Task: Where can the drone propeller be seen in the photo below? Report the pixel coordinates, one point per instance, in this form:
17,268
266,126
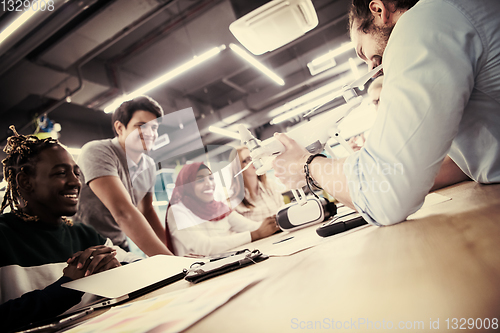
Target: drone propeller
358,82
241,171
363,79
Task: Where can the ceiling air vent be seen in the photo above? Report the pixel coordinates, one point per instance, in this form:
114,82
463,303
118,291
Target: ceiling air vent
274,24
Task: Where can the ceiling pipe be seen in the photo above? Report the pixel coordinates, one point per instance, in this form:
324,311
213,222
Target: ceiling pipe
58,103
78,66
113,64
234,86
21,43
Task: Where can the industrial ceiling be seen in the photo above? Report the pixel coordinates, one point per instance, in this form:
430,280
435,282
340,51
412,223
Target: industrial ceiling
72,61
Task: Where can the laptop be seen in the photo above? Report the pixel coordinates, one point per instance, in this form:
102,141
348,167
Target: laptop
134,279
118,285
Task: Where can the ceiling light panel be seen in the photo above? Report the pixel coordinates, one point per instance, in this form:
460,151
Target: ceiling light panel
255,63
327,61
225,132
166,77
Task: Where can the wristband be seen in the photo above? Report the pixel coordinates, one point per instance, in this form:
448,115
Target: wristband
309,180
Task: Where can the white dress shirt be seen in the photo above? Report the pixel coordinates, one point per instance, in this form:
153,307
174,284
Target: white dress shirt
441,95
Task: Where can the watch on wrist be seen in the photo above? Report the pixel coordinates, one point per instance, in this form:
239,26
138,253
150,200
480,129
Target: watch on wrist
309,180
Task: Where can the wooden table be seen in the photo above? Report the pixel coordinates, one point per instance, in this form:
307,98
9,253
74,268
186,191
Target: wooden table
442,264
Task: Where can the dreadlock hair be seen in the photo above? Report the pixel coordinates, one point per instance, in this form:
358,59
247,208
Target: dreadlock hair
360,10
22,154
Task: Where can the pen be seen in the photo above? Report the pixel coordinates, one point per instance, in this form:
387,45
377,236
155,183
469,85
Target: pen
282,240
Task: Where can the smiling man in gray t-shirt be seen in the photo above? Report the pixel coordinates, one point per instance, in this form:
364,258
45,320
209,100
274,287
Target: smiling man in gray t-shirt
116,196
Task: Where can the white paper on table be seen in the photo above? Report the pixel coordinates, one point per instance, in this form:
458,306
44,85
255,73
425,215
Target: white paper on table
430,200
172,312
434,199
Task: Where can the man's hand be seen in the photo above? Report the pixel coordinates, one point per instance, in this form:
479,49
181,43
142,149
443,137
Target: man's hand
72,272
95,259
267,228
289,165
353,142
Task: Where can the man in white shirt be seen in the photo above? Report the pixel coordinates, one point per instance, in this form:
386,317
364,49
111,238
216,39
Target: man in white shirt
441,96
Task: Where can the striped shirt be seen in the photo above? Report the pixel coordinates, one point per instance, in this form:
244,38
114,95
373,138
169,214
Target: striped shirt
32,258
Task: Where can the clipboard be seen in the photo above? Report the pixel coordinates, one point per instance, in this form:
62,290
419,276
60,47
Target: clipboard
202,271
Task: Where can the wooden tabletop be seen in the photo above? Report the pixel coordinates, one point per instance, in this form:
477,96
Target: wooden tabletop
443,263
440,269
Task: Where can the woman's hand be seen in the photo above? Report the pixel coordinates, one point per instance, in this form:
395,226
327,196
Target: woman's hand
95,259
267,228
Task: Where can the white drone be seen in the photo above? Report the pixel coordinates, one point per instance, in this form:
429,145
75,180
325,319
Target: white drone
313,135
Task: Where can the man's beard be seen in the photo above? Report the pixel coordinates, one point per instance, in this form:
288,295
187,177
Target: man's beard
381,36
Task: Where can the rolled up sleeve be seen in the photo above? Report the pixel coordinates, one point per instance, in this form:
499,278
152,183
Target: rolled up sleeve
429,76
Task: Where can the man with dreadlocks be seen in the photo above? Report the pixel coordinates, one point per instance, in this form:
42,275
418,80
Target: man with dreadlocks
40,248
438,121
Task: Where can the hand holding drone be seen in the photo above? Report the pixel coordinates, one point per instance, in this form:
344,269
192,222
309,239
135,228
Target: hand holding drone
313,136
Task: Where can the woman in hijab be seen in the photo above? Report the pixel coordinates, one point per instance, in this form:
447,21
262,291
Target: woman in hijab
198,224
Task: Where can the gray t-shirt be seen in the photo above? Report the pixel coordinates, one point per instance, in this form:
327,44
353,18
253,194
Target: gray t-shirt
106,158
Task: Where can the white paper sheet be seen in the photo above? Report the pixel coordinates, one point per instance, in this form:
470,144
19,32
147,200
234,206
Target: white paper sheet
172,312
